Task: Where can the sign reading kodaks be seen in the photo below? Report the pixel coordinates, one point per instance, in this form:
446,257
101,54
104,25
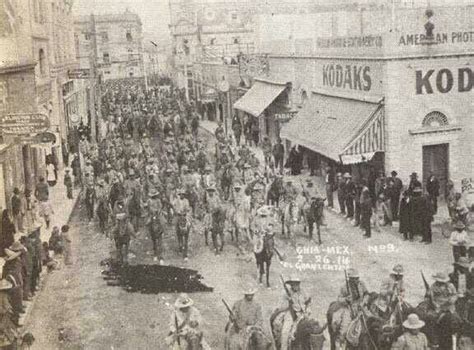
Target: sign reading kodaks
23,124
349,76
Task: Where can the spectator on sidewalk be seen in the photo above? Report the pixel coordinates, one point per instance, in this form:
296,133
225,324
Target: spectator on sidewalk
432,187
12,272
7,231
248,131
366,211
341,193
76,170
405,217
330,186
278,154
67,245
421,215
8,332
18,210
382,213
36,245
312,162
51,175
459,240
255,132
380,181
237,128
27,268
414,183
451,199
68,183
396,192
56,241
267,150
42,190
350,193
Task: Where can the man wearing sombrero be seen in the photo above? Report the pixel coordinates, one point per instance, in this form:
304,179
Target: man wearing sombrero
463,275
412,338
247,313
443,293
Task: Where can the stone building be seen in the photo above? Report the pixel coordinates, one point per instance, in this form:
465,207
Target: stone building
382,89
117,46
36,53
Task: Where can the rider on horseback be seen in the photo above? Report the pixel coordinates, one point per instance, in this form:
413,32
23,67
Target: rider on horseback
155,223
246,314
182,209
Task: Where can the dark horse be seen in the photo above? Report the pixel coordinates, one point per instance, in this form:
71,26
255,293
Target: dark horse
90,200
275,192
156,229
263,255
103,213
314,215
227,179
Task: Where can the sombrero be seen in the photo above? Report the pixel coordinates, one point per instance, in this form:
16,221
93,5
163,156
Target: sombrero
352,273
183,301
441,277
413,322
293,279
397,270
153,193
4,284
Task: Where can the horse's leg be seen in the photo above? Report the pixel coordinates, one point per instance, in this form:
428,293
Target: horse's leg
283,225
267,263
311,229
318,227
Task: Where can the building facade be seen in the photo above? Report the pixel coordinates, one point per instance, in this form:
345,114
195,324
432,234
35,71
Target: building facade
36,52
113,41
386,89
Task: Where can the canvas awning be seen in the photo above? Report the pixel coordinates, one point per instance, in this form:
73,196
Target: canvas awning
259,97
335,126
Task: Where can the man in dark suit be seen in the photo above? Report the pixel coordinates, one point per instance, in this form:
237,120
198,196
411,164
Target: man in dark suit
432,187
396,192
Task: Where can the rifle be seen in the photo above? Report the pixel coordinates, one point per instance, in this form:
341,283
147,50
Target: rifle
290,300
177,331
280,256
229,310
427,286
350,294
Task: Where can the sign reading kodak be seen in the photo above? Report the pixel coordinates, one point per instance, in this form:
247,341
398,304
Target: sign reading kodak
444,80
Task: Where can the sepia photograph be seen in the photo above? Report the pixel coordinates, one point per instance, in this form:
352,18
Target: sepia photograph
237,174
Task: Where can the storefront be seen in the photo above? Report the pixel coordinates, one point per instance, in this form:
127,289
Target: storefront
263,103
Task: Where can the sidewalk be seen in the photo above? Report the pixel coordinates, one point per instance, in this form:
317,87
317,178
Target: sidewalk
63,208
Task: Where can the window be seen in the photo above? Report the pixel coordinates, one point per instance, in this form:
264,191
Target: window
130,54
234,16
129,35
236,41
435,119
87,36
42,62
213,41
106,57
105,36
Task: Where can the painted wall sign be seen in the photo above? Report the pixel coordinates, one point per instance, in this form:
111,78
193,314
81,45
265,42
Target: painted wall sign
356,41
437,38
21,124
352,77
444,80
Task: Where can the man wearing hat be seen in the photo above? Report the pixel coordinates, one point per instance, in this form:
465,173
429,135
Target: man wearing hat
443,293
290,192
240,211
350,194
353,293
295,305
393,286
68,183
422,215
208,178
212,202
246,313
341,195
247,174
122,233
12,272
182,210
412,338
414,183
155,222
185,325
396,192
459,240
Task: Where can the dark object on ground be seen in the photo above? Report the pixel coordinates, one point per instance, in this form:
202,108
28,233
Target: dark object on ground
153,279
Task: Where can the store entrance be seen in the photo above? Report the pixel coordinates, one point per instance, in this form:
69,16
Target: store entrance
436,161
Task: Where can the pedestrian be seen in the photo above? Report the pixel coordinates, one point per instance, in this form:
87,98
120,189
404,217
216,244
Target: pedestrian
405,217
122,234
68,259
12,272
42,190
46,212
68,183
396,192
313,161
237,128
51,174
330,186
349,192
248,131
432,187
366,211
341,195
459,240
56,241
36,255
278,154
412,338
76,170
255,132
8,331
414,183
421,215
7,231
267,150
18,210
27,267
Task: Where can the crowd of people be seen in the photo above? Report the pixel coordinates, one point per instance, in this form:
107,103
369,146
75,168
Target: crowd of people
155,174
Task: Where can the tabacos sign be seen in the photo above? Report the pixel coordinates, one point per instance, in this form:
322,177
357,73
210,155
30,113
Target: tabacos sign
444,80
347,76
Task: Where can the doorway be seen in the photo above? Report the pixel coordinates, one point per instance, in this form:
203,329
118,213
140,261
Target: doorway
436,161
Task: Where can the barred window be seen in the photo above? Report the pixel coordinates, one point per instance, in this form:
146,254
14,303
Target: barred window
434,119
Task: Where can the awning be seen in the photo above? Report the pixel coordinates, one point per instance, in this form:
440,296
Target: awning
332,125
259,97
357,158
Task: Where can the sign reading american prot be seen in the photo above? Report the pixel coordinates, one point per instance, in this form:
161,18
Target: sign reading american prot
23,124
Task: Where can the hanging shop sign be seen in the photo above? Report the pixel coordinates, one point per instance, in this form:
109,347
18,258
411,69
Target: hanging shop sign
80,73
24,124
46,137
285,117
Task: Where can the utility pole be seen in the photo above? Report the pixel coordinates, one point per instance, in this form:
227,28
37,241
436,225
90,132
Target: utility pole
93,80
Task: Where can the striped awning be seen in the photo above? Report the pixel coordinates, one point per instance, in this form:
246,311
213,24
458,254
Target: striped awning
259,97
331,125
371,138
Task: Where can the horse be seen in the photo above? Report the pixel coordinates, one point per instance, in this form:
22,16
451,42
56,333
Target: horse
439,326
218,219
313,214
134,208
252,338
308,333
103,215
263,249
156,230
374,330
240,221
183,228
289,219
275,192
